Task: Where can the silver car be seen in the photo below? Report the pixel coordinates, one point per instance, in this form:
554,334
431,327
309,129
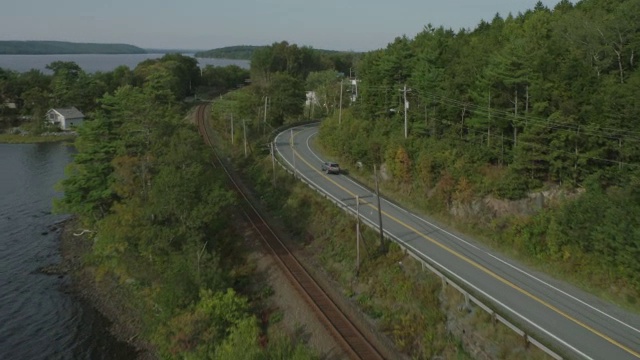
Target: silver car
331,167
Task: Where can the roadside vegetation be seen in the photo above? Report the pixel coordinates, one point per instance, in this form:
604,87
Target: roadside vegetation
400,299
547,114
550,110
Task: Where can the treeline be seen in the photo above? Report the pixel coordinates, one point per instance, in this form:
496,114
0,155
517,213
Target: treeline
241,52
281,74
64,47
544,99
160,217
34,92
245,52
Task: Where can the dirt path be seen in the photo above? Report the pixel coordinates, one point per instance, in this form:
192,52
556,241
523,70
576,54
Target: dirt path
298,320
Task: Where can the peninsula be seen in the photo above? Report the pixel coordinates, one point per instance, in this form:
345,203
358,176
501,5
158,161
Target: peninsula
244,52
63,47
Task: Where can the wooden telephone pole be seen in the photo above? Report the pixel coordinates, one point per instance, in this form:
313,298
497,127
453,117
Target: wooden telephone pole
357,234
340,108
273,162
382,244
232,129
244,127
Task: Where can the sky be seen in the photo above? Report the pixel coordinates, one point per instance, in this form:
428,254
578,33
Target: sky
349,25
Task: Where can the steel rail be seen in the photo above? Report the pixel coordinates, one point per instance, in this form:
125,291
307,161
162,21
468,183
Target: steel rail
344,331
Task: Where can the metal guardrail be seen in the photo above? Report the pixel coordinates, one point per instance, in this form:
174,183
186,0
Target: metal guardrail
446,280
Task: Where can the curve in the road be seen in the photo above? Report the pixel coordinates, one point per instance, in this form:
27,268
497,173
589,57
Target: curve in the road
515,268
475,264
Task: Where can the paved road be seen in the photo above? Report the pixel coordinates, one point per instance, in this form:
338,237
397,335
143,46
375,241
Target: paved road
576,324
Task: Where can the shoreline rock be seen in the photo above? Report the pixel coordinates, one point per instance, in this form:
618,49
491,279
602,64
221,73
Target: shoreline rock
104,295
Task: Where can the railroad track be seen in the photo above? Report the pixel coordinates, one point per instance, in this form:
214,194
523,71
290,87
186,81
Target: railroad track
355,344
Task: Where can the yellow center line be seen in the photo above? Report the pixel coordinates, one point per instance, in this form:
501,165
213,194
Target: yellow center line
477,265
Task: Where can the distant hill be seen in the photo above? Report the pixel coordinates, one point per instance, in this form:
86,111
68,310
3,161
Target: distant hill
171,51
243,52
63,47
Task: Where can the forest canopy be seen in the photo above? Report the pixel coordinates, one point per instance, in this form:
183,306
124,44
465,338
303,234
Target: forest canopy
545,99
245,52
549,94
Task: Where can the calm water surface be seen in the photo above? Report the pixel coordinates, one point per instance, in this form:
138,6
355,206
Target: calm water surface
38,319
96,62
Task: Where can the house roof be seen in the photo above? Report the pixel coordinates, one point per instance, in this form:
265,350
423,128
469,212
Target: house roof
69,113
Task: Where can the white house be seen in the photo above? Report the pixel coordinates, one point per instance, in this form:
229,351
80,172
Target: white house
312,98
354,89
65,118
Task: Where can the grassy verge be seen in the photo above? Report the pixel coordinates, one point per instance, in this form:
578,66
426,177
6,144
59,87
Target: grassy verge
32,139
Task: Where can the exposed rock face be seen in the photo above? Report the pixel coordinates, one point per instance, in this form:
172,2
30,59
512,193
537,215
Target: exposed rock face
491,207
384,172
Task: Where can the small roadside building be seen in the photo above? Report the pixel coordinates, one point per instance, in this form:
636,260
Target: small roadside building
9,105
312,98
65,118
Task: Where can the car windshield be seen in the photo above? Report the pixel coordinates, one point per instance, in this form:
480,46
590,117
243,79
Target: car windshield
333,165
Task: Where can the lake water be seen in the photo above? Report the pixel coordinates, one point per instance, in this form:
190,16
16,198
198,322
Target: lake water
97,62
38,318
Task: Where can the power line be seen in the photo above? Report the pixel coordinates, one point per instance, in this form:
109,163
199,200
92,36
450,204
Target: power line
510,116
605,132
533,119
556,149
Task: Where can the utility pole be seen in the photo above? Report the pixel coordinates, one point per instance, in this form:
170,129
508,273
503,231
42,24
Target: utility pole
502,151
244,126
515,117
357,234
232,129
356,85
382,245
489,125
273,162
406,107
293,154
340,109
264,118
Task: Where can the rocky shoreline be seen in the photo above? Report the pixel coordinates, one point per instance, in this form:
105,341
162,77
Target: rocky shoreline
105,295
108,297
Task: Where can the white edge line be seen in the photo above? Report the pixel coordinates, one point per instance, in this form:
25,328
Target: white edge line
489,254
540,328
